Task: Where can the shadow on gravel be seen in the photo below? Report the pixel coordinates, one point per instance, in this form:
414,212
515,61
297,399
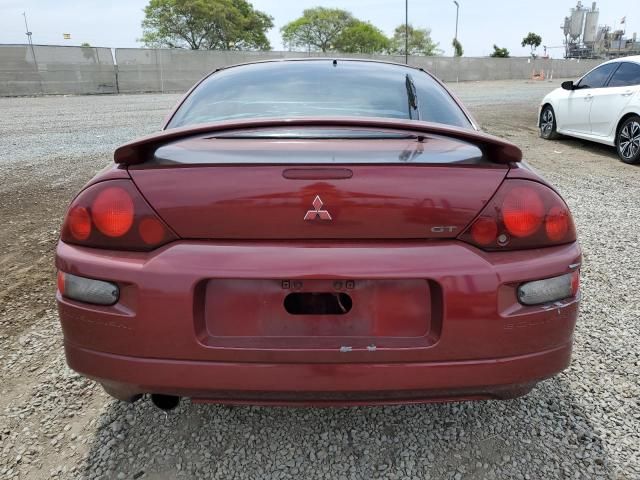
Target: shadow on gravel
543,435
591,147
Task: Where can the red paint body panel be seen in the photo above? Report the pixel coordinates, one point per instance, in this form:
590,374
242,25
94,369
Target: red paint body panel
320,384
257,202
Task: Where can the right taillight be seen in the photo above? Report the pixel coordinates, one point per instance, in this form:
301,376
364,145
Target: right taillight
114,215
522,214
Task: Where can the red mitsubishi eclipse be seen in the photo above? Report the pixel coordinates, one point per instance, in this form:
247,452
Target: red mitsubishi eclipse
318,232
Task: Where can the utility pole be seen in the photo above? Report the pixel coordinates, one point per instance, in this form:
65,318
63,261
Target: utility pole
33,51
455,41
29,34
457,12
406,32
26,27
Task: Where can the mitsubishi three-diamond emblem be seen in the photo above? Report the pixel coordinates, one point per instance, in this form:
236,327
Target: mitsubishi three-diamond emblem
317,212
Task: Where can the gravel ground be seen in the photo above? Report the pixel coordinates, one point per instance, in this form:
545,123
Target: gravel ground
584,423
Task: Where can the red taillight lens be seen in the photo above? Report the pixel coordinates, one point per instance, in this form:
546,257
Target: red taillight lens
522,214
121,216
112,211
79,223
557,223
522,211
575,283
61,282
151,231
484,231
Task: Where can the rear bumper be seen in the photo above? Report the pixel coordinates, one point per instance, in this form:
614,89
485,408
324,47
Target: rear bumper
319,384
481,343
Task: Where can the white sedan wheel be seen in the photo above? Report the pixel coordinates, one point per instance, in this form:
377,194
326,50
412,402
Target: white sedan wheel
548,123
628,141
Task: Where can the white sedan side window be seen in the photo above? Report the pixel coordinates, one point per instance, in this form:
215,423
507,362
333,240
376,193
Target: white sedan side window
598,78
627,75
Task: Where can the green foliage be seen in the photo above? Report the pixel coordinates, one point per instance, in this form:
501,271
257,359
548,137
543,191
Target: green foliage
533,40
88,51
499,52
420,42
205,24
457,48
318,29
362,37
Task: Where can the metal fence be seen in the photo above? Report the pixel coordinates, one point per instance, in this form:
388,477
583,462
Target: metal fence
44,69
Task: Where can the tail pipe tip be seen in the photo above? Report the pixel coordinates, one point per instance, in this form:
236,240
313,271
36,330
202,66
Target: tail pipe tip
165,403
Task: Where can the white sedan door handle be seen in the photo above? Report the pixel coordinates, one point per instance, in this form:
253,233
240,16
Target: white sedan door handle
627,93
588,97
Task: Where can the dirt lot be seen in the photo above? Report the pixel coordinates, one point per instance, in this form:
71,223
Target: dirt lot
585,423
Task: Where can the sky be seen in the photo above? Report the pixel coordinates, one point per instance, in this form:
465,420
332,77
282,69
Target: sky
116,23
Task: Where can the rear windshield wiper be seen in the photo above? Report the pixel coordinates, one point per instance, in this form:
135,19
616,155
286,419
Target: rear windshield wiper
412,96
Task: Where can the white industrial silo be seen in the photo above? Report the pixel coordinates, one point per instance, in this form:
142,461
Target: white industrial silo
591,25
577,21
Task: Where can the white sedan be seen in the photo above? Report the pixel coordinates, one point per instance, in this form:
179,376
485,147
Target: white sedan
603,106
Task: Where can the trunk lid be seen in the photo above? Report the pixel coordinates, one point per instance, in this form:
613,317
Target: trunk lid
357,184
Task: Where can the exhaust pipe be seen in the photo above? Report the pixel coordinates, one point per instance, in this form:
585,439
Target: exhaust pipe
165,403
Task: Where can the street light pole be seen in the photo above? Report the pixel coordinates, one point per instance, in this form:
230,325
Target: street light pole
33,51
457,12
406,32
26,27
29,35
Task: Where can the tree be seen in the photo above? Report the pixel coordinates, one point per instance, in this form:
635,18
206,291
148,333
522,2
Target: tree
88,51
205,24
362,37
457,48
318,29
420,42
533,40
499,52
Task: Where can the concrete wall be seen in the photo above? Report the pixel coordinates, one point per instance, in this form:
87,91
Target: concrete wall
77,70
141,70
56,70
476,69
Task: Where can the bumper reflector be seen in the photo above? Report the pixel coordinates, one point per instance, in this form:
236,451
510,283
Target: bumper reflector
549,289
87,290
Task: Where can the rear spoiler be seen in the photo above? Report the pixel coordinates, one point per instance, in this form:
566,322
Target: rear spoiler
493,148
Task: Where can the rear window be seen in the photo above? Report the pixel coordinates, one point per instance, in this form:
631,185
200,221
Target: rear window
319,89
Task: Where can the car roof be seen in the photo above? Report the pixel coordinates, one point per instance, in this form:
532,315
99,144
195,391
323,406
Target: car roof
631,58
365,62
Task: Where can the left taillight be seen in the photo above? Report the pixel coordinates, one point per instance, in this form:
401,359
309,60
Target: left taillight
114,215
